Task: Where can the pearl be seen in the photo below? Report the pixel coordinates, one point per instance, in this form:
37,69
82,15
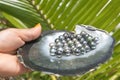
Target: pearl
58,52
83,33
77,54
67,51
96,39
77,42
87,35
59,44
75,35
59,56
52,50
57,40
63,41
60,49
61,37
66,35
84,42
87,48
78,36
73,44
65,44
74,40
73,49
77,50
81,40
52,54
66,47
89,38
67,54
71,36
67,39
70,43
78,45
52,44
53,47
92,44
82,50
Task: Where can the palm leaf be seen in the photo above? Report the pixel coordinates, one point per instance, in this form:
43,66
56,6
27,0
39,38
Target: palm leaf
64,15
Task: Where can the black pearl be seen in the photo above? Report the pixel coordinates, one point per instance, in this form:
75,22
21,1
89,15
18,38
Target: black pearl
83,33
74,40
57,40
65,44
58,52
67,39
87,48
77,50
78,36
84,42
71,36
67,51
92,44
82,50
89,38
61,37
59,44
63,41
79,45
52,54
52,50
70,42
52,44
68,54
60,49
96,39
81,40
73,49
53,47
66,47
75,35
66,35
86,36
59,56
73,44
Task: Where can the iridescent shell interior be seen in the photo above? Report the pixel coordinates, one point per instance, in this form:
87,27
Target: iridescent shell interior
68,53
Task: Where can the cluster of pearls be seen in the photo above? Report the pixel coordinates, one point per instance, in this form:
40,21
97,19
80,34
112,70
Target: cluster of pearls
73,44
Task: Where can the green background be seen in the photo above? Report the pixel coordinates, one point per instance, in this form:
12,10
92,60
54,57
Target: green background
64,15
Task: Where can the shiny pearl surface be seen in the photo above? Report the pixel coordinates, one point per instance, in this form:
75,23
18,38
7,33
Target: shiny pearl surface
73,44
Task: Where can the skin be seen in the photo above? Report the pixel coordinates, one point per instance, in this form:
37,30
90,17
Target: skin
10,40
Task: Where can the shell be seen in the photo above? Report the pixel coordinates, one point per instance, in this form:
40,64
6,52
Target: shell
36,54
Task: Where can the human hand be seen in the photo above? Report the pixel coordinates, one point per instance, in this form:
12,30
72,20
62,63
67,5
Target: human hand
10,40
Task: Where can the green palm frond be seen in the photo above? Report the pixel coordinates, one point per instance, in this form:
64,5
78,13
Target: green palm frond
64,15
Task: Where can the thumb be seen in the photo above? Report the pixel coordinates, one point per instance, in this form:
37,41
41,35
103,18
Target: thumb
30,34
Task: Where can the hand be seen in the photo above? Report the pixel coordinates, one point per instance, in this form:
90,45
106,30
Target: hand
10,40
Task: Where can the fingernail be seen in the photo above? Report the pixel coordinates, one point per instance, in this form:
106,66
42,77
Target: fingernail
38,25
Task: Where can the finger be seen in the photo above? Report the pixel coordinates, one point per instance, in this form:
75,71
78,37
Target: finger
11,39
14,52
30,34
10,66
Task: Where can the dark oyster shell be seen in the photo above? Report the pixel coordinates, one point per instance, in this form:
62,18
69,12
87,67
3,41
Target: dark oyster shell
36,54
